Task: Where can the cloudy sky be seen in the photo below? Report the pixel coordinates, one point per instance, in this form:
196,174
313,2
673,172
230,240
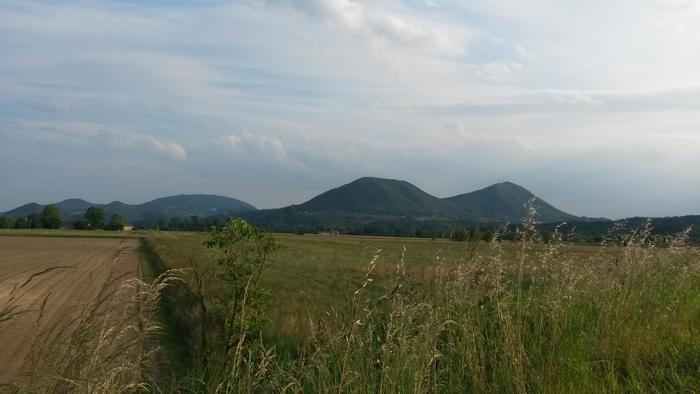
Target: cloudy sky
592,105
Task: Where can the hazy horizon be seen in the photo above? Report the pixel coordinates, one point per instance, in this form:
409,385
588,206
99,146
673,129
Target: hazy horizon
593,106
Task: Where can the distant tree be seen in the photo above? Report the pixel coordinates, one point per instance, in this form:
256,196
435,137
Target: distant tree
547,237
194,222
6,222
116,222
460,235
95,217
34,220
175,224
488,236
80,225
21,222
50,217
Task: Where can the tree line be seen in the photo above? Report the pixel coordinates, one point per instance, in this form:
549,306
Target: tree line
50,218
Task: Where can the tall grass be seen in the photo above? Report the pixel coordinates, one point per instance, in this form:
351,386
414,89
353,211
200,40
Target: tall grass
512,317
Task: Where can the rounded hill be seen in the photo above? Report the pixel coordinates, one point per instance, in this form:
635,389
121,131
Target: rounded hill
376,195
505,202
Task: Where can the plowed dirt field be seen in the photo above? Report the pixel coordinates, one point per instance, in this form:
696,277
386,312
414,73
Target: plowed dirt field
46,285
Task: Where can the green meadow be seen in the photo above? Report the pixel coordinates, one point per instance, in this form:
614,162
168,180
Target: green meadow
374,314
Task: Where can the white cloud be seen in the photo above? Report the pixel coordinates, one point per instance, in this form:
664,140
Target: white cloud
575,98
599,45
248,142
382,26
462,134
347,12
121,139
498,71
521,50
170,149
96,134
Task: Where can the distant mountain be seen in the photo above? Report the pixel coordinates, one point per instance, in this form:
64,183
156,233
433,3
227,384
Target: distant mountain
368,204
504,202
377,196
194,204
24,210
73,207
184,205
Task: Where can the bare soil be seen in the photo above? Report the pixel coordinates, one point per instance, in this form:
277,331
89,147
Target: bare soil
46,284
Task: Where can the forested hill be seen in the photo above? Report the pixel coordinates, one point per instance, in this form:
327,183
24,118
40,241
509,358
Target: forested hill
345,208
377,206
377,196
504,202
183,205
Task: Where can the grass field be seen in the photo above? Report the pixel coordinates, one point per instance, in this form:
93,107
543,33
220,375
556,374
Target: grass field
372,314
310,274
523,317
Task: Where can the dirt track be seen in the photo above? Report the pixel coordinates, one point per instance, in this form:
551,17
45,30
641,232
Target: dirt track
54,280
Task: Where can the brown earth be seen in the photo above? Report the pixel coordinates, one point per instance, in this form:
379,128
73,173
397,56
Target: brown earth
47,285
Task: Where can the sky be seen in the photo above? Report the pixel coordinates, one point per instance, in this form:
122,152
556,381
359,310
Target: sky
593,105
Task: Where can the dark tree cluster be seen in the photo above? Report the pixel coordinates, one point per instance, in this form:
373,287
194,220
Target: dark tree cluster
192,223
50,217
116,223
7,222
95,218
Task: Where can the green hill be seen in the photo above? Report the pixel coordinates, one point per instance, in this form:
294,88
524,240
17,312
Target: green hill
193,204
367,205
504,202
388,206
73,207
24,210
377,196
183,205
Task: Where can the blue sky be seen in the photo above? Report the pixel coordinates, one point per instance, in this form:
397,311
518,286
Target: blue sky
594,106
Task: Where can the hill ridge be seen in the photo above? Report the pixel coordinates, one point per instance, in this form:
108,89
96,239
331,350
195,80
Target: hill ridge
179,205
367,198
375,195
505,201
385,203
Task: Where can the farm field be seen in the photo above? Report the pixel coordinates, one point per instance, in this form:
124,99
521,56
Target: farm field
353,314
416,315
312,274
42,232
47,288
